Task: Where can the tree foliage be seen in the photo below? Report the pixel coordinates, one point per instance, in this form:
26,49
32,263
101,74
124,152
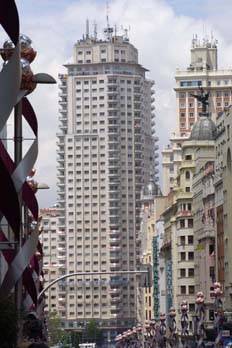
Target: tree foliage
55,333
92,333
8,322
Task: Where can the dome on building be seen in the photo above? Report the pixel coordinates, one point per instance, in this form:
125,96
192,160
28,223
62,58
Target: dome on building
203,129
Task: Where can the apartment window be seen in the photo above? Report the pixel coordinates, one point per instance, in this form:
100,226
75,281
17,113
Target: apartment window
191,272
183,289
191,307
187,189
182,223
191,289
190,223
182,256
191,255
187,175
182,240
190,239
182,272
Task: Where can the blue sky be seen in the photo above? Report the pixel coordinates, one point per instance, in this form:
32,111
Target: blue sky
161,30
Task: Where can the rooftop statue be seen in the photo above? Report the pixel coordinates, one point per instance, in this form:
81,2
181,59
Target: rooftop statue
202,98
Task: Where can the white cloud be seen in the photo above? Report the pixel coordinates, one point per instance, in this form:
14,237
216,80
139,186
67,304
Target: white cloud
162,37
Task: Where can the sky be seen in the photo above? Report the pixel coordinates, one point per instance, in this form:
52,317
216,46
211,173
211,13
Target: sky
161,30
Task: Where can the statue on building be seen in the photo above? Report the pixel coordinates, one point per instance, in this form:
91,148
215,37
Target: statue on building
202,98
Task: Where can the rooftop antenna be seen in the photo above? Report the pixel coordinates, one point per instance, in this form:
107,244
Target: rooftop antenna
87,29
95,30
126,38
108,30
115,30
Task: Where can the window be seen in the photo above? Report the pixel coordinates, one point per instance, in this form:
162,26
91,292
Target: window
182,272
187,189
190,223
182,256
187,175
182,223
192,307
183,289
190,83
191,255
191,272
182,240
190,239
191,289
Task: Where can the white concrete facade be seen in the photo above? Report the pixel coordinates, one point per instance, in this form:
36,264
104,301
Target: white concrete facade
105,154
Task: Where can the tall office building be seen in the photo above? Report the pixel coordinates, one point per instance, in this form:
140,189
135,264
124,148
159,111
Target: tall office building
202,71
106,151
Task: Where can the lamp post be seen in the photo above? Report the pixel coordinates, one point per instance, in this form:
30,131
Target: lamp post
200,318
172,328
161,333
219,313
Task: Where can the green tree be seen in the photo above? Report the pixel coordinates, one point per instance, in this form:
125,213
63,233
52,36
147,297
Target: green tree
92,333
8,322
55,333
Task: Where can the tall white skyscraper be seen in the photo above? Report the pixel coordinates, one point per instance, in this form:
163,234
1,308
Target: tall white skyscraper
106,153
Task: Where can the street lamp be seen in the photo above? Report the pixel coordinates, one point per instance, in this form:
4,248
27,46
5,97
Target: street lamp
219,313
172,328
200,318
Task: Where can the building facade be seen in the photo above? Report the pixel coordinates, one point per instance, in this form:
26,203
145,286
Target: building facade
224,215
106,151
53,241
205,226
152,206
202,71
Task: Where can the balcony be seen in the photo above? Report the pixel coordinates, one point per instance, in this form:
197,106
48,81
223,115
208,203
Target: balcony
116,248
61,257
115,239
61,265
61,233
115,266
115,299
62,299
115,290
63,110
114,233
113,149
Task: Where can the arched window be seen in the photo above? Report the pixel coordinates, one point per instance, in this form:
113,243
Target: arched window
187,175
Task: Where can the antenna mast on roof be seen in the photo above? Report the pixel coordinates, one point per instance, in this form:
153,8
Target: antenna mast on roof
108,30
87,29
95,30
